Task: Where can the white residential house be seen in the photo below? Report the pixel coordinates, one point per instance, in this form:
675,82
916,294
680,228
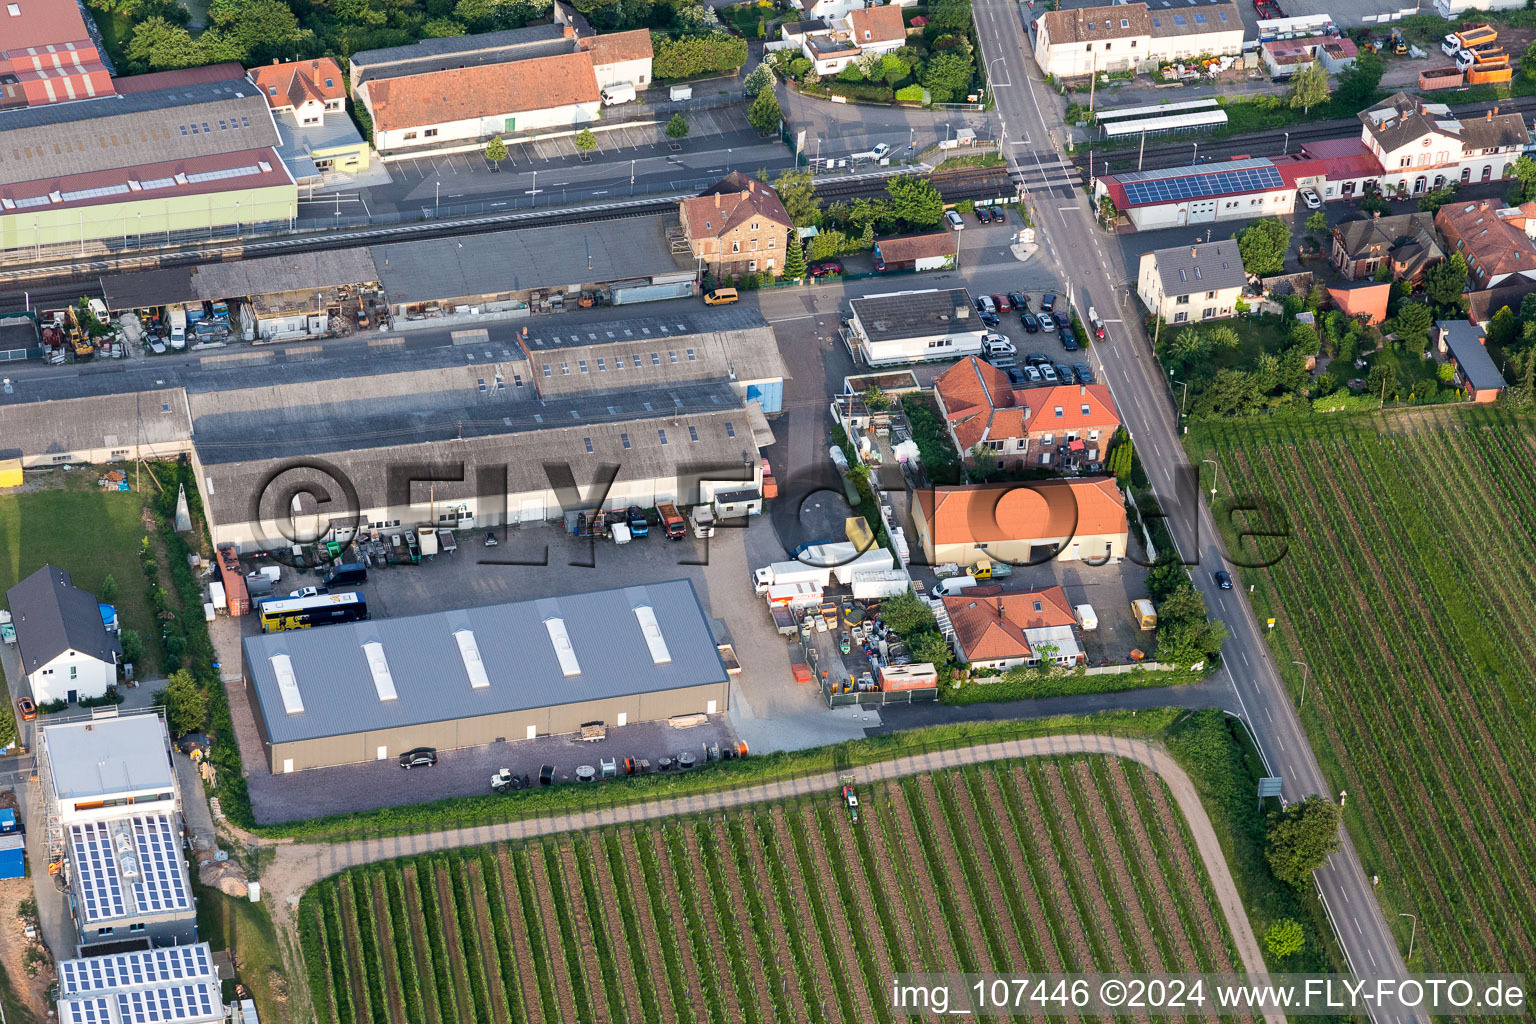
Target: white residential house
1134,36
1192,282
914,327
876,30
1424,146
65,649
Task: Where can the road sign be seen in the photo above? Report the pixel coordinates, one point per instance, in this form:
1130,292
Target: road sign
1269,786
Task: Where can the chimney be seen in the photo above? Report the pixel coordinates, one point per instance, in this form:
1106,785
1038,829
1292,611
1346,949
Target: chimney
1194,253
1489,116
751,184
1082,389
1375,214
717,200
276,61
569,31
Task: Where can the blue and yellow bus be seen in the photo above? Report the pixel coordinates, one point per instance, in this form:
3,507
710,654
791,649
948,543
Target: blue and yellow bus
278,614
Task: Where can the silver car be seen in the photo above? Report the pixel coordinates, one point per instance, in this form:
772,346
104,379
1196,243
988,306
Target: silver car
1047,322
1049,373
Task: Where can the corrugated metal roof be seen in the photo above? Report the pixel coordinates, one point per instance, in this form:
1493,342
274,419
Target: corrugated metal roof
607,646
201,119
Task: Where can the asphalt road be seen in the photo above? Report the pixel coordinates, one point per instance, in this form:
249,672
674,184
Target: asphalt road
1079,249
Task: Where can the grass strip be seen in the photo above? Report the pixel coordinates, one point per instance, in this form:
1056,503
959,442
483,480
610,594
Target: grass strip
474,965
596,912
501,928
355,883
693,915
736,953
935,861
650,1007
442,962
671,954
810,874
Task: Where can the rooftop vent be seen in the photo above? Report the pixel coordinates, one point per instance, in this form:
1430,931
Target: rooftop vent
469,651
287,685
653,638
561,640
378,667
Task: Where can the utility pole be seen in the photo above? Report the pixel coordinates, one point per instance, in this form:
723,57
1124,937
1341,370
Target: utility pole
1142,152
1411,933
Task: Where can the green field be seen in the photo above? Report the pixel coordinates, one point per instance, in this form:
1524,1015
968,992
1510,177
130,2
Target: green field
785,912
90,533
1406,588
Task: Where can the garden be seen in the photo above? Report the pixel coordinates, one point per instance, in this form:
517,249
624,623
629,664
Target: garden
937,65
1400,577
1048,864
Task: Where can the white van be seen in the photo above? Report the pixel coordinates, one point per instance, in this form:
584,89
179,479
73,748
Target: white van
954,586
621,93
177,317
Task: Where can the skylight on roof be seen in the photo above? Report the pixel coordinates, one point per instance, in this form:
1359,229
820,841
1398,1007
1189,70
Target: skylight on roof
287,684
378,667
651,630
469,653
561,640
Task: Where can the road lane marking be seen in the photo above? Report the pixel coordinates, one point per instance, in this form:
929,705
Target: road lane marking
1357,924
1268,716
1244,655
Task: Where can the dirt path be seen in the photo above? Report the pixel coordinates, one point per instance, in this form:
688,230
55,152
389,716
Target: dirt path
297,866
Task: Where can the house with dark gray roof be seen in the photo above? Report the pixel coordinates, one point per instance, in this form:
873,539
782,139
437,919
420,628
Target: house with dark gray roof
1465,347
371,690
1192,282
914,327
1406,244
1424,146
65,649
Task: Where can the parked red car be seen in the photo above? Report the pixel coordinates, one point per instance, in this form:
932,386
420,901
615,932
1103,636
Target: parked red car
826,268
1002,303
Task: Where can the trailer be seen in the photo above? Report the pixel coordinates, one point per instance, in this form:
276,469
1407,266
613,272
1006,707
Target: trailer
790,572
784,620
793,595
877,584
873,560
446,543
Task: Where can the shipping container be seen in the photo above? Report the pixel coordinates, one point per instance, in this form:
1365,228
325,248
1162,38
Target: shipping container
235,594
921,676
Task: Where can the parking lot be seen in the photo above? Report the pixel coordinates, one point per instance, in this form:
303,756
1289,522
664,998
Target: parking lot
768,709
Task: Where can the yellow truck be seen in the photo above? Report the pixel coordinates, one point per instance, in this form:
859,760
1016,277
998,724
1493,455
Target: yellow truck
1144,614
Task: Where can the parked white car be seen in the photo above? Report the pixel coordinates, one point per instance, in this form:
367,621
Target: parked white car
955,220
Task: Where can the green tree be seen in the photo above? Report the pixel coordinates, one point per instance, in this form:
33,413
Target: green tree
1222,337
947,76
761,78
983,462
1445,282
933,648
1382,380
185,703
827,244
1528,63
108,590
1430,202
914,201
1317,224
1502,329
1309,87
1190,347
1284,938
1263,245
496,151
132,644
764,114
906,614
1166,576
797,191
253,31
157,45
442,28
1299,838
794,260
694,55
585,140
867,238
1524,171
1185,635
1357,86
677,128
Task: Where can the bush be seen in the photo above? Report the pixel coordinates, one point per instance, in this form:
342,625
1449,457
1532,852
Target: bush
910,94
693,56
862,91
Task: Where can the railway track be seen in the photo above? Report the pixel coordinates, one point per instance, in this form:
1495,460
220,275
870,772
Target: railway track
52,284
1270,143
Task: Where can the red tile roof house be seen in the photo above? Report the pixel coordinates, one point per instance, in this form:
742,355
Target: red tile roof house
1001,631
1495,249
1022,523
1023,426
737,226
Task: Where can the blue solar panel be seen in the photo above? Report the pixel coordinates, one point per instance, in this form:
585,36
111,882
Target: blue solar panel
1196,186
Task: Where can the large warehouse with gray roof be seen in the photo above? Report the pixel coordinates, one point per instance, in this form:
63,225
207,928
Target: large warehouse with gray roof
372,690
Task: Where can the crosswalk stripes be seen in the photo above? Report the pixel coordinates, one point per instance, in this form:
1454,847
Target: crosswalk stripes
1046,174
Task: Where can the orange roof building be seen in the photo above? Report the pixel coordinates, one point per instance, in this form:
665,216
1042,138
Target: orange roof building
738,225
1069,424
302,86
1368,300
1022,523
998,630
47,56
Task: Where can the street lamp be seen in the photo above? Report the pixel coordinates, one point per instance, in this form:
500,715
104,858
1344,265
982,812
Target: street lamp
631,177
1195,156
1411,932
437,193
1184,395
1286,148
1216,478
1305,670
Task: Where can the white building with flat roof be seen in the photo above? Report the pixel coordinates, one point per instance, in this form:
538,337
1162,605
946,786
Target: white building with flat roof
914,327
112,820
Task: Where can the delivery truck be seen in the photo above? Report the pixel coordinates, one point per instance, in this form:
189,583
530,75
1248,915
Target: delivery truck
1144,614
793,595
877,584
780,573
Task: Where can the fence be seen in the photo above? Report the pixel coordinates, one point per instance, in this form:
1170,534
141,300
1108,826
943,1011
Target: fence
880,698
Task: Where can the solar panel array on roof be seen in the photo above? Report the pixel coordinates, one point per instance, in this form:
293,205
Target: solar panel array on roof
145,967
98,886
87,1011
160,867
1199,185
169,1005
